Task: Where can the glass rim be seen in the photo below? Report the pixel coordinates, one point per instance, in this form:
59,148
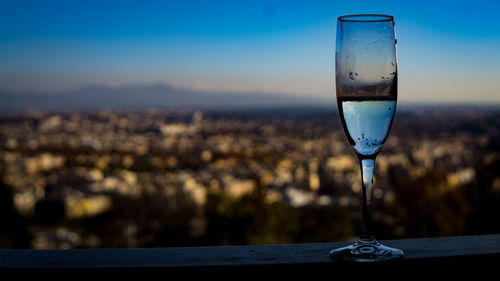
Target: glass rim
366,18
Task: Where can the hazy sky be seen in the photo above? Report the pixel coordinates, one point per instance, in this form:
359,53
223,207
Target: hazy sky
447,50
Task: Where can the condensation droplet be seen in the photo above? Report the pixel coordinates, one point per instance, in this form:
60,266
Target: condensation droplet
351,75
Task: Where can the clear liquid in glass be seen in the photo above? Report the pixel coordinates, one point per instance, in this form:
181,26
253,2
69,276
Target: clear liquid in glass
367,121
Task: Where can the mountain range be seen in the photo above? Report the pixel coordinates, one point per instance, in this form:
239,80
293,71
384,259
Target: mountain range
140,96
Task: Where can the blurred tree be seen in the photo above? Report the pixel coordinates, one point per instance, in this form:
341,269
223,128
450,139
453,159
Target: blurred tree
324,224
484,196
426,206
248,221
13,231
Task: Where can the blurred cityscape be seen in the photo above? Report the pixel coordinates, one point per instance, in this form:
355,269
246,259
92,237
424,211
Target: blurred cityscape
158,178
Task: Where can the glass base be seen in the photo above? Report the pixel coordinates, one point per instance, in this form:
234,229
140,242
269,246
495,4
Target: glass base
366,251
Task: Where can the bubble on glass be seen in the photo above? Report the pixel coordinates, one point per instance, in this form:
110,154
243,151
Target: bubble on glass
351,75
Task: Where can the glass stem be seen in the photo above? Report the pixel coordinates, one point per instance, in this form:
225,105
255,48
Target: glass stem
367,166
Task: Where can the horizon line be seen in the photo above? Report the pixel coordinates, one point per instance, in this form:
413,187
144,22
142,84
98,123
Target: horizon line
313,99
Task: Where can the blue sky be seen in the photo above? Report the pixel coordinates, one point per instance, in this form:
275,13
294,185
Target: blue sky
448,51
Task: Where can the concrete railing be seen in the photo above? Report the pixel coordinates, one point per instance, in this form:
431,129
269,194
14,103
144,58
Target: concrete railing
445,255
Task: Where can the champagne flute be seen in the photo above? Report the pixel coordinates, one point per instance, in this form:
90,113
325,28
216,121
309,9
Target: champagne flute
366,82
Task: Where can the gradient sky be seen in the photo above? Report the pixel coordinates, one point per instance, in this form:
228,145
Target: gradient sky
448,51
